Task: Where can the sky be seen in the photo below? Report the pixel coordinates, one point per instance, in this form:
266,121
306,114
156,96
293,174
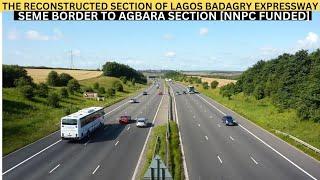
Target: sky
159,45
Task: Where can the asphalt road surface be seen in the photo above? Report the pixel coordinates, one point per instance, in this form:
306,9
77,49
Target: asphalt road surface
216,151
112,152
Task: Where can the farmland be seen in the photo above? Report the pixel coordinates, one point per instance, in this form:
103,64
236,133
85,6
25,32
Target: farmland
40,75
221,82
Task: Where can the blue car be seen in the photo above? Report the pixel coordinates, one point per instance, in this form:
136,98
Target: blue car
228,120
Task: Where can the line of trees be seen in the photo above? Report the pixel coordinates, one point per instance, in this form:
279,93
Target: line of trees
115,69
290,80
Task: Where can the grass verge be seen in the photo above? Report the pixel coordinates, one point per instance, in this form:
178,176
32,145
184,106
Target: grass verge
25,121
266,115
175,156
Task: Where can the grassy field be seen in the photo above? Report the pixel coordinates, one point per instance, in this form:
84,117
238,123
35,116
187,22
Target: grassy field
269,117
222,82
40,75
175,156
25,121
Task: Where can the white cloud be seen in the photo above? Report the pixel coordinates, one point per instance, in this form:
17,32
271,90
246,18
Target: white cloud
203,31
309,42
170,54
35,35
168,37
13,35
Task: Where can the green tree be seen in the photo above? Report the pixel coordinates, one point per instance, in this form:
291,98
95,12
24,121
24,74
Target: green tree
27,91
64,78
259,92
42,90
117,85
124,79
110,92
96,85
214,84
102,90
53,79
11,73
23,81
73,86
53,100
64,93
205,85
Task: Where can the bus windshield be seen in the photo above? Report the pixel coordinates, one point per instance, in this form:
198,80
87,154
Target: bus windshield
69,121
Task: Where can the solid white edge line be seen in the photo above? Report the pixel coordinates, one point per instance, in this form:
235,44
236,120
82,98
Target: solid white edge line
253,160
298,167
116,143
278,152
96,169
206,138
30,157
231,138
22,162
146,141
219,159
54,168
186,174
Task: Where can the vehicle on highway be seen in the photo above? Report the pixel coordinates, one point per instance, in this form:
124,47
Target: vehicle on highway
141,122
184,92
133,100
228,120
160,93
177,93
82,123
190,89
125,119
144,93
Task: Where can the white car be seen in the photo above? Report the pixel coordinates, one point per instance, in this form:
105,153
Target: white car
141,122
133,100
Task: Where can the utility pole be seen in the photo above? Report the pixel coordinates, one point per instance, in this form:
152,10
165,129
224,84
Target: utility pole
71,59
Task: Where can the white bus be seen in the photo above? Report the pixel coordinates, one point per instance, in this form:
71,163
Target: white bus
80,124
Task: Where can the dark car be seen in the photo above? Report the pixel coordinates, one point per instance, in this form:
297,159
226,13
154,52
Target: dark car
144,93
228,120
184,92
125,119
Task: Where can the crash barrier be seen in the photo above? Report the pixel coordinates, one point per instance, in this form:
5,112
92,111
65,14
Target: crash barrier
299,141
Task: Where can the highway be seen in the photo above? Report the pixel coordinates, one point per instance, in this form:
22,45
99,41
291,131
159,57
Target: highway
112,152
215,151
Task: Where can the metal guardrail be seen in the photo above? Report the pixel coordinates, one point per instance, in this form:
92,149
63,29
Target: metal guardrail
300,141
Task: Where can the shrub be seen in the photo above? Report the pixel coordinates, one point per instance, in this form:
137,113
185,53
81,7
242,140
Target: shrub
88,89
258,92
101,90
64,93
42,90
117,85
96,85
70,110
53,79
11,73
73,86
23,81
124,79
205,85
64,78
53,100
214,84
133,81
110,92
27,91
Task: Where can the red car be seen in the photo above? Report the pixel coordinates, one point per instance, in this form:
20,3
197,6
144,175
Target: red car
160,93
124,119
